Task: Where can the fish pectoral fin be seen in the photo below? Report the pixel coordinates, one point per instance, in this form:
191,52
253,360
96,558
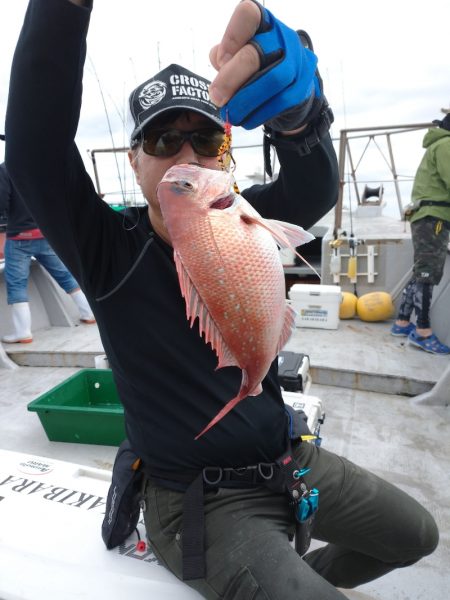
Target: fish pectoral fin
290,236
288,327
195,307
286,235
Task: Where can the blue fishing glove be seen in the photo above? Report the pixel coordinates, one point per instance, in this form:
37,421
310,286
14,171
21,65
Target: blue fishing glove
286,89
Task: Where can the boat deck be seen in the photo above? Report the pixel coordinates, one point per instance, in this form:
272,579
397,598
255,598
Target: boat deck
363,376
358,355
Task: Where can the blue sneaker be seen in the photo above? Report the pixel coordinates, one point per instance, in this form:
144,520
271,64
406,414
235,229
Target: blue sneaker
402,331
429,344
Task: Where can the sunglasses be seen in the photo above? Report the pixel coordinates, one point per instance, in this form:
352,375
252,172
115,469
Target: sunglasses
168,142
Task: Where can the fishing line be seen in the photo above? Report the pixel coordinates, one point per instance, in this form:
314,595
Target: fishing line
107,120
122,118
351,241
123,187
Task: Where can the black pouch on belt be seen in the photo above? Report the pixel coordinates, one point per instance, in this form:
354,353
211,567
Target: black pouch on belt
297,423
124,496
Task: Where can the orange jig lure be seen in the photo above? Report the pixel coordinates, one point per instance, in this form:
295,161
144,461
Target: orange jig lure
224,155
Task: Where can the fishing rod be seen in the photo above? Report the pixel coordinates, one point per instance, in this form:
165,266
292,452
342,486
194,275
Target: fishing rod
109,124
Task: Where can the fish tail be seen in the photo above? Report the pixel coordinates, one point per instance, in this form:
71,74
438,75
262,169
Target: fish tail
224,411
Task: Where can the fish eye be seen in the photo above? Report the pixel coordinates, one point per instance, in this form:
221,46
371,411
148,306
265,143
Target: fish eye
182,186
186,184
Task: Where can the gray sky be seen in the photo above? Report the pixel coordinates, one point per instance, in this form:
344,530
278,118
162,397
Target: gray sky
382,63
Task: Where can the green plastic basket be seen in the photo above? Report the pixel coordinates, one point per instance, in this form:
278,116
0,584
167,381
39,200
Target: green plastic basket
85,409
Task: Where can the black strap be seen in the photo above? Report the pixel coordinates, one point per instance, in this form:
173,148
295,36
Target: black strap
434,203
296,487
193,540
294,483
193,536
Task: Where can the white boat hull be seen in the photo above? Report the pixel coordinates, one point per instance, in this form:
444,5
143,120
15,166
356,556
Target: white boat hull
50,543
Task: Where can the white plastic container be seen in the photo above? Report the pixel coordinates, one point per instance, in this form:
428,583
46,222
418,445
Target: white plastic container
310,405
317,306
287,257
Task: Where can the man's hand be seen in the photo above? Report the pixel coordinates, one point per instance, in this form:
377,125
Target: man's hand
234,58
267,72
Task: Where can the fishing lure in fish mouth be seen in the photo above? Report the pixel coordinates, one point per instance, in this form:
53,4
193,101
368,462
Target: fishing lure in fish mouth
224,155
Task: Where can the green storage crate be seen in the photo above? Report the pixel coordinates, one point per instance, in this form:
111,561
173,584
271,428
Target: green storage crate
85,409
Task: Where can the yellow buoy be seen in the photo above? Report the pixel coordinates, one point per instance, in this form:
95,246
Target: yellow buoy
347,308
375,306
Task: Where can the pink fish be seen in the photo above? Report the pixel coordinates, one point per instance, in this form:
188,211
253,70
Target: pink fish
230,271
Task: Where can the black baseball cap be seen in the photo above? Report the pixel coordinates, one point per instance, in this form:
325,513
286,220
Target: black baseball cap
445,123
173,88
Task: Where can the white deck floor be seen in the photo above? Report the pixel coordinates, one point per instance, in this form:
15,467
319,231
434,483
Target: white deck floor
358,355
406,443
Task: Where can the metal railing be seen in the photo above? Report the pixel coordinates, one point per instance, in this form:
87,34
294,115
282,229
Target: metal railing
348,166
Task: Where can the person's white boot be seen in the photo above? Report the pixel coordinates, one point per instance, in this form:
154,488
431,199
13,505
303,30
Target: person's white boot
82,304
21,318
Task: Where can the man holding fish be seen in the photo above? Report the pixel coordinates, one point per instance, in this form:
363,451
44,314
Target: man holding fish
189,300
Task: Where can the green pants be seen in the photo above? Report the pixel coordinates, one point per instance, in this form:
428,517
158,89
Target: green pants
430,239
370,527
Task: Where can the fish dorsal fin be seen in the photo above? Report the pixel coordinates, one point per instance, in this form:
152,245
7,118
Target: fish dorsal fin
195,307
288,327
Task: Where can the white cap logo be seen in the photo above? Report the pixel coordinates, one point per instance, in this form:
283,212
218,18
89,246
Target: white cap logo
152,93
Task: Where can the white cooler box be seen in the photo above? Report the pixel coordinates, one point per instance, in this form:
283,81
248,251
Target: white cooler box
317,306
311,406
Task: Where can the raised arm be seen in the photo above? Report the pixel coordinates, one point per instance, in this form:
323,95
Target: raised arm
42,118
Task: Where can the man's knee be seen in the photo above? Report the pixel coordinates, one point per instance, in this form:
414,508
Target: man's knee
427,535
422,540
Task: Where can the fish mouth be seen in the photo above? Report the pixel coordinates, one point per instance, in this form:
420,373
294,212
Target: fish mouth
222,202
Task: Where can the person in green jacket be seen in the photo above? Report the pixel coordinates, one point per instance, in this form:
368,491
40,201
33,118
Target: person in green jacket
429,214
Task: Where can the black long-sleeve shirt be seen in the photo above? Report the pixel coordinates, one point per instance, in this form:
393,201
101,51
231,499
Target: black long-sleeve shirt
19,218
164,372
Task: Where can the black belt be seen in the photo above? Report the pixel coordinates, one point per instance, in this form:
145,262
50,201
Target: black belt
194,485
213,477
254,474
434,203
